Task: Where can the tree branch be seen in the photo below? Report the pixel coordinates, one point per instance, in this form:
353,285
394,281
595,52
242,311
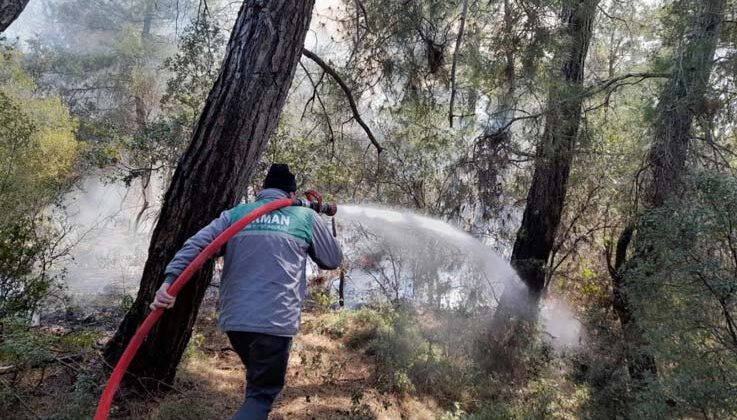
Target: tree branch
606,84
620,254
352,102
316,94
588,92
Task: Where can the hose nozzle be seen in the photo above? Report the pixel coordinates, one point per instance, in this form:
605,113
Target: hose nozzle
329,209
313,200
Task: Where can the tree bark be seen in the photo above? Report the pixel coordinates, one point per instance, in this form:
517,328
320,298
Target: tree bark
9,12
681,100
239,116
489,152
555,151
509,331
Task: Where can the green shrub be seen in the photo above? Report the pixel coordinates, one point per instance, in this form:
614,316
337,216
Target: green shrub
320,300
38,154
22,345
126,302
406,360
684,296
353,324
83,401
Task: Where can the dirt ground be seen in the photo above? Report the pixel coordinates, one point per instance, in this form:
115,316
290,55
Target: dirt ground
325,380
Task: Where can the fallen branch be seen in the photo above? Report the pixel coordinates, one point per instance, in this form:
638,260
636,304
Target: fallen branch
352,102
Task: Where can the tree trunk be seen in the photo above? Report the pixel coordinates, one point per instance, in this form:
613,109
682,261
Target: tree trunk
555,152
239,116
489,152
681,100
9,12
509,331
148,18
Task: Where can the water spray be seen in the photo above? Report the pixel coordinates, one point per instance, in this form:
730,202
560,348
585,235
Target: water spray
313,200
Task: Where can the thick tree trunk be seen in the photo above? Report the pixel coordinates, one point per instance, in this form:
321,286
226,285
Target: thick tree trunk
9,12
239,116
555,152
640,363
509,331
681,100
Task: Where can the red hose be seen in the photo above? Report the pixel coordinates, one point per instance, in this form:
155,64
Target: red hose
106,400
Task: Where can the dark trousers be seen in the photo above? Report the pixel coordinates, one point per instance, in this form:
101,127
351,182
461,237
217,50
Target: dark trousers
265,357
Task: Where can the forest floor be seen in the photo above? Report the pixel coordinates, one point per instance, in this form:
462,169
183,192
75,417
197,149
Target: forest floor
325,380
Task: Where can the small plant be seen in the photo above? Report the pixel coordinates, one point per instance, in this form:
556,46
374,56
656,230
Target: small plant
402,383
21,345
126,302
334,372
359,409
455,413
84,397
321,300
194,347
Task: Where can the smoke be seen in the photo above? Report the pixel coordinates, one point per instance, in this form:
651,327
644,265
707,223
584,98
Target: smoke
110,248
563,330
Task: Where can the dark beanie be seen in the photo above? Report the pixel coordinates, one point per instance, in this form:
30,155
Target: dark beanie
280,177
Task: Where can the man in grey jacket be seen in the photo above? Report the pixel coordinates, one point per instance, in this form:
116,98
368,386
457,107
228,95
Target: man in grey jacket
263,283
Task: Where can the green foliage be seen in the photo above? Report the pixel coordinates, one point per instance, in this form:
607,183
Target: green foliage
348,323
107,64
321,299
359,410
194,347
407,361
685,296
599,367
126,301
411,358
22,345
136,110
83,401
25,348
37,143
193,70
38,153
21,287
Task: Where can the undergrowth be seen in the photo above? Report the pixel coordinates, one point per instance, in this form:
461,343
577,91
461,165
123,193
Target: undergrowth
412,357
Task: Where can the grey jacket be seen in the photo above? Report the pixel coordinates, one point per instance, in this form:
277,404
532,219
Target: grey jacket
263,282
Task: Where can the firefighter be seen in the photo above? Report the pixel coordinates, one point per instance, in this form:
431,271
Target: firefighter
263,283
